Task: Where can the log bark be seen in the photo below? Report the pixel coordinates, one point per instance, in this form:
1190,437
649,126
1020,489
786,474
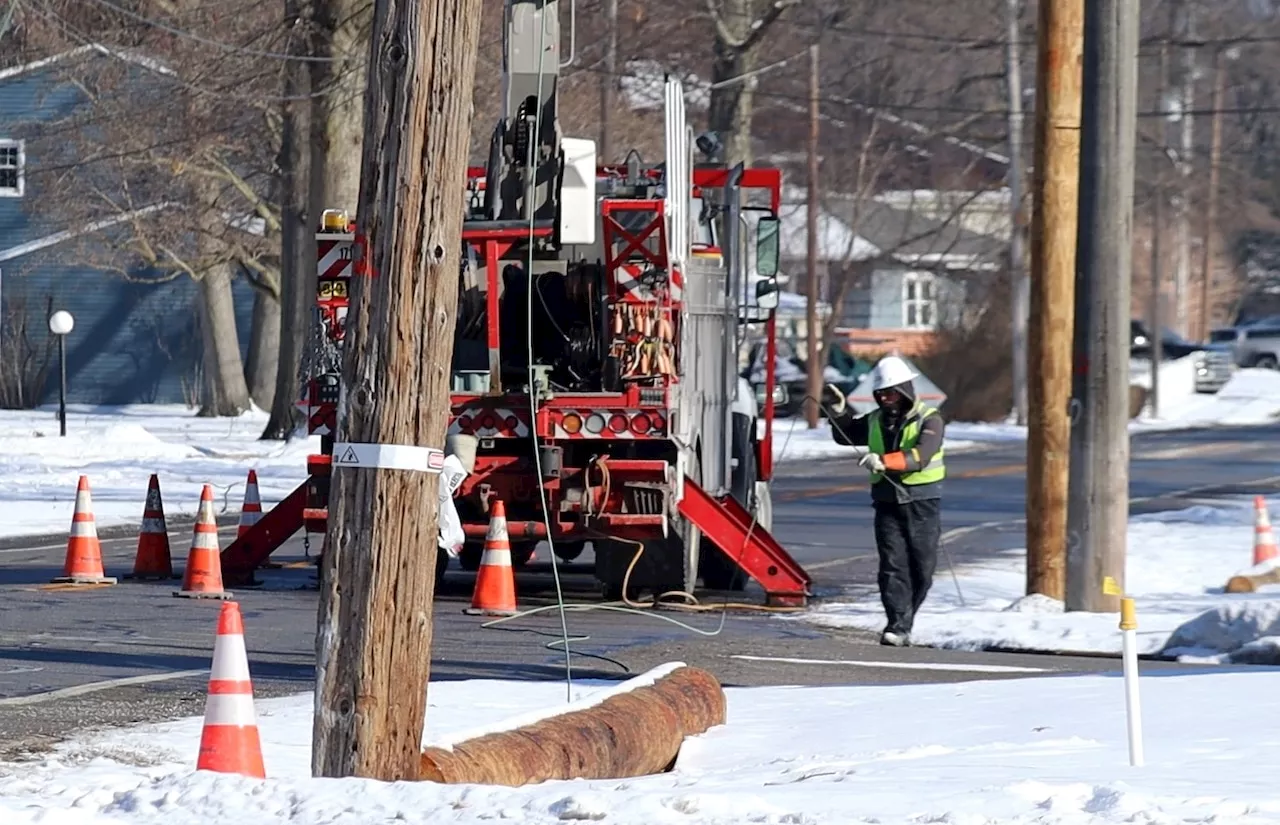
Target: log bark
630,734
375,620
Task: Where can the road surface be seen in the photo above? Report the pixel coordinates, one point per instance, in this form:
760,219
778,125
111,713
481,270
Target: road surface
132,653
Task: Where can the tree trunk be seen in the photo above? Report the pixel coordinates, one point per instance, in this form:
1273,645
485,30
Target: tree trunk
324,163
731,106
264,349
729,114
228,394
297,234
373,657
342,34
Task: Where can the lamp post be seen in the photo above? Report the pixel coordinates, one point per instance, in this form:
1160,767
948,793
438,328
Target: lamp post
60,324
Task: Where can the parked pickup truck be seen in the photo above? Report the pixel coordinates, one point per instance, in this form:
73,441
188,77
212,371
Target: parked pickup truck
1252,344
1213,361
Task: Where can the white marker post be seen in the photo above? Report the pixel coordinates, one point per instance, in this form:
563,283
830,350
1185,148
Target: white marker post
1133,703
1129,642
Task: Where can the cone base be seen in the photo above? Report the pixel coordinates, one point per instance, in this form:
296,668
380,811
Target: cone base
202,594
84,580
152,577
488,611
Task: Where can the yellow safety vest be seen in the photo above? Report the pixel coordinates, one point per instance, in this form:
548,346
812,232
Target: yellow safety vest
932,472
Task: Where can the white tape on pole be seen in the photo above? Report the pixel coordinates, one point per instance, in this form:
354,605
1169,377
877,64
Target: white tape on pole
388,457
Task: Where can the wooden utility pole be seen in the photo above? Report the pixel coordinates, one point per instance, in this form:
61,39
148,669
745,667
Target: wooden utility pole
1154,308
813,354
1098,507
1186,165
1211,213
1053,263
609,80
373,643
1017,255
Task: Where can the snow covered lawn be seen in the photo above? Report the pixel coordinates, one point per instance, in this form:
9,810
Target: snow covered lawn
119,448
1036,750
1177,565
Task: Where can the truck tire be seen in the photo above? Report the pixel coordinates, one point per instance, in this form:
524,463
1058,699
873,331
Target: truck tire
719,571
442,564
473,551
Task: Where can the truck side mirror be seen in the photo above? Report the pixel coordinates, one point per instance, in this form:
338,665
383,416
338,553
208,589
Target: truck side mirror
767,293
768,233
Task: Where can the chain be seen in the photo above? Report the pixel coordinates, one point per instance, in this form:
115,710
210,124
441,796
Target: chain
320,354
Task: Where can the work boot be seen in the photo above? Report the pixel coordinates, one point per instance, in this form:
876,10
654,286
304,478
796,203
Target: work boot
892,638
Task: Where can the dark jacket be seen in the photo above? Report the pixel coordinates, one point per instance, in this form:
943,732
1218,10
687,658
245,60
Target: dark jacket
854,431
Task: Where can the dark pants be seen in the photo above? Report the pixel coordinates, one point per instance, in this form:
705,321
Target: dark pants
907,538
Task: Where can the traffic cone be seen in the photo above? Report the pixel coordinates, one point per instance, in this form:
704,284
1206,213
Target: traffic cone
495,593
230,742
1264,540
83,564
203,577
251,514
251,511
153,560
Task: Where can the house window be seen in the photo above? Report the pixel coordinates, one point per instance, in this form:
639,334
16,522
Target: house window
919,301
12,159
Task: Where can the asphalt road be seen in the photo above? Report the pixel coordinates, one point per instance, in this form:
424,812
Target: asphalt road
64,653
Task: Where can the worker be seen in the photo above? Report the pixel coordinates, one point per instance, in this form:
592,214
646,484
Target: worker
904,454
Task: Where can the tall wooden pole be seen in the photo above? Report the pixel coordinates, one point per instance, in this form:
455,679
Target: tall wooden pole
813,354
1154,307
1211,213
1186,165
1017,247
374,639
1053,262
1098,502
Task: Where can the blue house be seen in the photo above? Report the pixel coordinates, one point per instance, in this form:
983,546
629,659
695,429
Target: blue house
137,335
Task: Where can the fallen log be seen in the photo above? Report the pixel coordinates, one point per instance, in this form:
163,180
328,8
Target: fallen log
635,731
1250,582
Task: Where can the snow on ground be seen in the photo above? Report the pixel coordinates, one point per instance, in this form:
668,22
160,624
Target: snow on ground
1178,563
1035,750
119,448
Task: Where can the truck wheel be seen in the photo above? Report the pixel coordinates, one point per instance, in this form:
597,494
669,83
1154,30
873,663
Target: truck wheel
569,550
1266,362
472,552
719,571
442,564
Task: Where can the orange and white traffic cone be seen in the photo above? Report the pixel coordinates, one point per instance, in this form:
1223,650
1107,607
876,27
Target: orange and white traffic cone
495,593
251,514
1264,540
251,510
202,578
83,564
154,559
230,742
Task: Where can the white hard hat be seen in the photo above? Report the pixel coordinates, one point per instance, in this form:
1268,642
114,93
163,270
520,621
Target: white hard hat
890,372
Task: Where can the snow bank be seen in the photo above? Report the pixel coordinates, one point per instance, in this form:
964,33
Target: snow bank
1177,565
1043,750
119,448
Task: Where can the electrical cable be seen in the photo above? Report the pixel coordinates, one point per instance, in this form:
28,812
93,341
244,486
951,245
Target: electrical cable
530,188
